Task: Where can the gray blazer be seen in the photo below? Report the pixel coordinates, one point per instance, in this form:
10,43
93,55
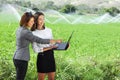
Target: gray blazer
23,38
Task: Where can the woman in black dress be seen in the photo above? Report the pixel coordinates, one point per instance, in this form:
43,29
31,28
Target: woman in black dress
45,58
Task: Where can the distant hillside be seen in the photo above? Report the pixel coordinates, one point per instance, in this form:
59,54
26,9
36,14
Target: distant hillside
95,3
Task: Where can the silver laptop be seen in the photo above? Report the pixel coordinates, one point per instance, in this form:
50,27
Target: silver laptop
63,45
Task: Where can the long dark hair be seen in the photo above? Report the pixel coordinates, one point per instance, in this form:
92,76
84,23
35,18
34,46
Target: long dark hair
36,16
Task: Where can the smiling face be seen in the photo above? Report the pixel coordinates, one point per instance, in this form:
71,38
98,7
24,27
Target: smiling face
30,22
40,22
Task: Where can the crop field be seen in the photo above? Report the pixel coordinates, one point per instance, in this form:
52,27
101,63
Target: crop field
94,52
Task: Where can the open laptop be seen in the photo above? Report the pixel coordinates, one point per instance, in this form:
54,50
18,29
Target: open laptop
63,45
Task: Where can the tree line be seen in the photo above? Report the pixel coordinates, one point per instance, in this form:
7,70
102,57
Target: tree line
81,9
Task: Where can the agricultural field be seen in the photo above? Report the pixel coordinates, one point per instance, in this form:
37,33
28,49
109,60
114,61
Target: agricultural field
94,52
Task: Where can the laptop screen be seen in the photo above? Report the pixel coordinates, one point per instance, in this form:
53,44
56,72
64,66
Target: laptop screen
70,36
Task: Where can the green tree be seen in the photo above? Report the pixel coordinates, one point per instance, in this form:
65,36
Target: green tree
35,9
113,11
68,9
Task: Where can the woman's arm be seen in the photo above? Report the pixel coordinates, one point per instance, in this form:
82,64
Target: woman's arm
29,36
49,48
32,38
37,48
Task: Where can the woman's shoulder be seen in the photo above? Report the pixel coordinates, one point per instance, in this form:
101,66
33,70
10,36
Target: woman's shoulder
35,31
49,29
23,30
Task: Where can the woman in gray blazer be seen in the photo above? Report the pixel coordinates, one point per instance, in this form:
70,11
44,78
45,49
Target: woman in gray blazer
23,38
